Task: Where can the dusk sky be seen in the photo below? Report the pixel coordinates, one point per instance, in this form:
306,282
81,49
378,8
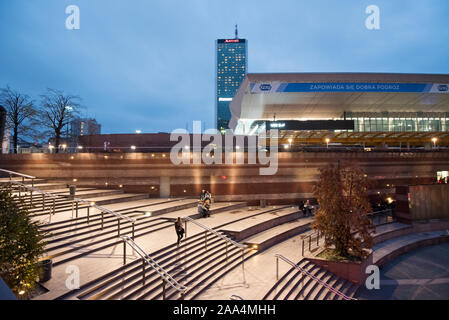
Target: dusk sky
150,65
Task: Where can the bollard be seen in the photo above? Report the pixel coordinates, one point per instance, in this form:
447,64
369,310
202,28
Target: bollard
303,247
77,209
124,251
277,268
310,242
43,202
54,206
226,252
133,229
102,214
88,213
143,271
163,289
118,226
31,199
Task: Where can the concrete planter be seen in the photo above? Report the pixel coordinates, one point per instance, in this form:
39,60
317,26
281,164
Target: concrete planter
349,270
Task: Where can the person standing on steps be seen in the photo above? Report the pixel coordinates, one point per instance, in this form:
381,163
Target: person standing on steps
202,195
206,208
179,229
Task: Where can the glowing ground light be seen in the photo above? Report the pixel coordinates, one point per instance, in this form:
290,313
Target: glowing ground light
133,147
21,292
148,214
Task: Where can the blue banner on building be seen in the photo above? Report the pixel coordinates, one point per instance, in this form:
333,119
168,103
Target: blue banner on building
271,87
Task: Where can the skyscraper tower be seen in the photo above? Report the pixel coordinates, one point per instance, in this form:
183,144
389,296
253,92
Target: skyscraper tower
231,68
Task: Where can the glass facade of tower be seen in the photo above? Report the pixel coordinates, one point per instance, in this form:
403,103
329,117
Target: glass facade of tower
232,66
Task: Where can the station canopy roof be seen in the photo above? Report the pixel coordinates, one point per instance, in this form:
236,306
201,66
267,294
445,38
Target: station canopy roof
290,96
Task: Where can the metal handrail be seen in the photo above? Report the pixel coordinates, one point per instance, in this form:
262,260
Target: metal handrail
161,271
330,288
77,200
36,189
236,297
18,174
116,214
240,246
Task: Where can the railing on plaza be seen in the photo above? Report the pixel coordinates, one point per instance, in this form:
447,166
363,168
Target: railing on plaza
308,274
313,240
23,187
382,217
220,236
311,243
75,205
18,174
146,259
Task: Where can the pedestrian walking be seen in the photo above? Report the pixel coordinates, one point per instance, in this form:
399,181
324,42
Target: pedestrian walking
179,229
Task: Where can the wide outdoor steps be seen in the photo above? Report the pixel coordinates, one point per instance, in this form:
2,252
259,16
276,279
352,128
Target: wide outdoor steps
196,264
64,205
279,233
272,218
64,248
296,285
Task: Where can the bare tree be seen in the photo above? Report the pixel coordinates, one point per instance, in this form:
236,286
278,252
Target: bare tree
57,109
20,111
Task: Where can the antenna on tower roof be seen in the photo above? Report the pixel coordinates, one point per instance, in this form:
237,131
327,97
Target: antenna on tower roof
236,32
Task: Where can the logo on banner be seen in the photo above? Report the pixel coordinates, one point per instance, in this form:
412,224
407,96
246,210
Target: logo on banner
443,87
265,87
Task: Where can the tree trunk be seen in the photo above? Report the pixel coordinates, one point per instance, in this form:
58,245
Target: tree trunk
57,140
15,139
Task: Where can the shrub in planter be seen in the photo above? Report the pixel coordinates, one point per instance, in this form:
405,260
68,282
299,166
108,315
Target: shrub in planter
21,245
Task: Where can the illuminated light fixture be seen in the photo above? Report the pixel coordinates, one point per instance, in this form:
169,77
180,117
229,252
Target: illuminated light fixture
148,214
290,140
152,187
185,190
255,246
121,157
163,155
63,146
92,203
378,192
187,147
327,142
75,180
389,200
133,147
138,131
72,157
106,183
224,99
21,292
434,140
152,155
50,146
120,186
106,157
388,185
286,146
237,147
80,147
